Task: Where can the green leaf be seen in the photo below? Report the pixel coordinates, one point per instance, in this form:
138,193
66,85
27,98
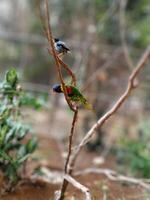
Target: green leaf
24,158
3,133
5,156
21,131
11,173
10,135
21,152
31,145
11,77
30,100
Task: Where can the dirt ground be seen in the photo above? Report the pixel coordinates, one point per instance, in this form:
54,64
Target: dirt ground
49,154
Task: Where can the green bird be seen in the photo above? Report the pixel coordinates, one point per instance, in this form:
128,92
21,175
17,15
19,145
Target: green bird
74,94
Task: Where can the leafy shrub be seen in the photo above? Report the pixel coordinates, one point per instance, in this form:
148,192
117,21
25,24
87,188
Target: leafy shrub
135,154
13,152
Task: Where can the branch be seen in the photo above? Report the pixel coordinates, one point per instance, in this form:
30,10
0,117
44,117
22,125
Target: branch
58,62
65,182
54,54
65,66
114,176
69,71
77,185
131,85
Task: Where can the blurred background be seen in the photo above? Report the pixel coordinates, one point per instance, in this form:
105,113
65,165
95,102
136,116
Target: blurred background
106,38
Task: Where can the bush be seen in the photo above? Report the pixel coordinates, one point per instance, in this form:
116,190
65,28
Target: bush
134,154
13,152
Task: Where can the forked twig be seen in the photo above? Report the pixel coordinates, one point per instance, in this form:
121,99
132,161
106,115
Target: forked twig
77,185
65,66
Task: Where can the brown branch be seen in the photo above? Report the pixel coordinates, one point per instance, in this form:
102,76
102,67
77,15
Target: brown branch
48,34
113,110
69,71
51,43
65,66
58,63
65,182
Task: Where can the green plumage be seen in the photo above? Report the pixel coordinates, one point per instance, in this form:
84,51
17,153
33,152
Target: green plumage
76,96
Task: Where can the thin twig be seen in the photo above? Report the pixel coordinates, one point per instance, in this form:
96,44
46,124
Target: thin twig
114,176
68,70
113,110
77,185
65,66
57,176
65,182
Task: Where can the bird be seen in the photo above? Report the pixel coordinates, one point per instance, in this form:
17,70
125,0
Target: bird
60,46
74,95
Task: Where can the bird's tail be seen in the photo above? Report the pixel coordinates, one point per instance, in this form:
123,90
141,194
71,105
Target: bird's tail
87,105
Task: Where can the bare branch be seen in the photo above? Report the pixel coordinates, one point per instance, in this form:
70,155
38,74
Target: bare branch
114,176
65,182
77,185
114,109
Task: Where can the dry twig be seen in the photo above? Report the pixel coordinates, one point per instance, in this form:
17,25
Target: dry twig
77,185
114,176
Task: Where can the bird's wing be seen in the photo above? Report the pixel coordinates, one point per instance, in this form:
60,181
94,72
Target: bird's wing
66,48
60,43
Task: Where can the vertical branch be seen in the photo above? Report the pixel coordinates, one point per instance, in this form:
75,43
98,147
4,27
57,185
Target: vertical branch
51,43
71,139
67,171
58,63
48,34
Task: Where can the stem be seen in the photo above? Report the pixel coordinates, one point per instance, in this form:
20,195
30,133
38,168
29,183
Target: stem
51,43
65,182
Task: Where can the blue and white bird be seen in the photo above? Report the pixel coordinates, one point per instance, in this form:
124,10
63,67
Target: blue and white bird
60,46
